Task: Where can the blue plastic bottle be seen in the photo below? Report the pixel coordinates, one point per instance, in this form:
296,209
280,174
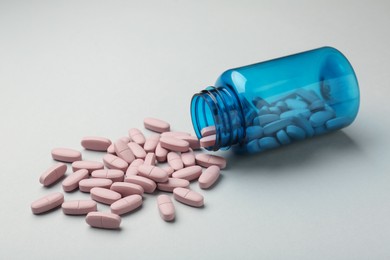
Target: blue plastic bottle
277,102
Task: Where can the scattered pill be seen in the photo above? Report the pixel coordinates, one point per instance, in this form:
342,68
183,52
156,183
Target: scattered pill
137,150
161,153
111,149
104,196
65,155
151,143
126,204
206,160
193,141
175,133
188,158
137,136
95,143
127,189
125,139
53,174
47,203
209,130
188,197
150,159
78,207
175,161
208,141
174,144
123,151
173,183
72,181
209,177
148,185
86,185
189,173
153,172
88,165
103,220
168,169
133,168
166,208
156,125
112,174
114,162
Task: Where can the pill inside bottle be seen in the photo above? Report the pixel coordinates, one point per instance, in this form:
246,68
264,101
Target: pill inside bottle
270,104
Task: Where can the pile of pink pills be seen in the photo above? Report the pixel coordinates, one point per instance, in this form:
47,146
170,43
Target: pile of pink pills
129,169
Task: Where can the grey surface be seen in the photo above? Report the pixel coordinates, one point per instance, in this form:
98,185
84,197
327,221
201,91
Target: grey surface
75,68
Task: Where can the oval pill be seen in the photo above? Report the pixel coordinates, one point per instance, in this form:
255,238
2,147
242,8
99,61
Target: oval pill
123,151
111,149
161,153
174,133
296,132
137,150
151,143
189,173
166,207
283,138
114,162
275,126
319,118
103,220
126,204
192,141
112,174
127,189
104,196
175,161
78,207
53,174
72,181
168,169
254,132
208,141
209,130
337,123
173,183
174,144
88,165
206,160
137,136
265,119
209,177
188,197
150,159
156,125
47,203
65,155
133,167
86,185
153,172
95,143
268,143
188,158
148,185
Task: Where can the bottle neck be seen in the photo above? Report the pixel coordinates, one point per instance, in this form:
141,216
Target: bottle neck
219,107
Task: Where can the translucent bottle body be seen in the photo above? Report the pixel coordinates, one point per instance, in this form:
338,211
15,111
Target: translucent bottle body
274,103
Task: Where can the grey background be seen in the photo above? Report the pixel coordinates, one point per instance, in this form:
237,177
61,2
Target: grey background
75,68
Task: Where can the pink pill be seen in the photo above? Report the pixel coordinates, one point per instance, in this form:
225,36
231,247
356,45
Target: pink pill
65,155
53,174
78,207
188,158
188,197
153,172
173,183
189,173
103,220
210,130
192,141
95,143
166,207
208,141
123,151
151,143
127,189
114,162
86,185
104,196
72,181
161,153
168,169
126,204
209,177
47,203
112,174
175,161
125,139
137,136
156,125
88,165
137,150
111,149
174,133
150,159
148,185
206,160
133,168
174,144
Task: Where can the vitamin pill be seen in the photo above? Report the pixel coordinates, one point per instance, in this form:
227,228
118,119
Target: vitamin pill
253,146
78,207
175,161
188,158
295,132
47,203
319,118
188,197
156,125
125,139
65,155
166,208
137,150
153,172
133,168
86,185
123,151
151,143
192,141
111,149
88,165
173,183
283,138
95,143
168,169
137,136
189,173
104,196
337,123
207,141
161,153
174,144
53,174
127,189
209,177
126,204
72,181
114,162
175,133
150,159
148,185
268,143
103,220
275,126
254,132
209,130
112,174
206,160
